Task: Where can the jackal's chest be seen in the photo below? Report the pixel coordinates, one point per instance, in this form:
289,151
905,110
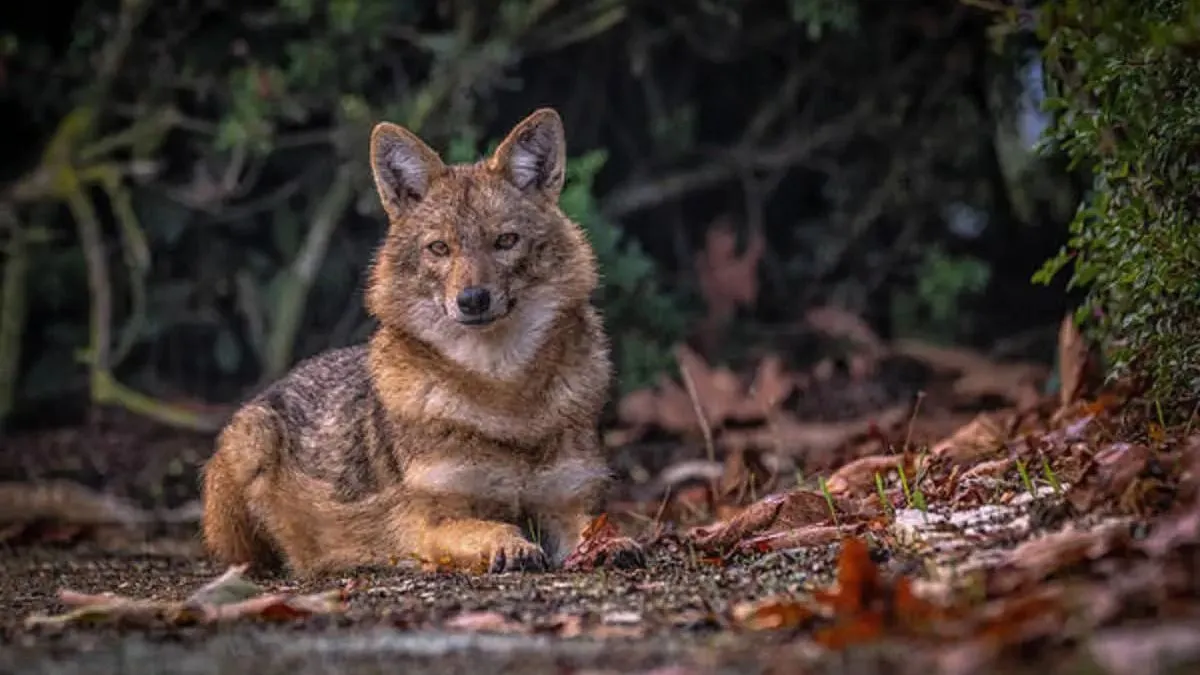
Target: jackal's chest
548,485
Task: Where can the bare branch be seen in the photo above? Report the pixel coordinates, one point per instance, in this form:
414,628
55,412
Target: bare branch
638,194
645,194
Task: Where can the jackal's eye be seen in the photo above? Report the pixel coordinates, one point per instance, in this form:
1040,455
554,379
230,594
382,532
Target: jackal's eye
506,241
439,248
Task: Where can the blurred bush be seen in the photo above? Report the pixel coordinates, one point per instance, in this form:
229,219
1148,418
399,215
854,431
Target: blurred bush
1125,88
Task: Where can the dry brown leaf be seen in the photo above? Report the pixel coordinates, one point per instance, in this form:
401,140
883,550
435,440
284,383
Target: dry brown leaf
1072,361
274,607
563,625
774,513
487,622
858,477
667,406
228,597
1017,619
745,476
866,606
995,468
772,614
772,384
1183,527
717,394
1112,471
639,408
839,323
728,280
786,434
1037,559
942,358
232,586
1020,384
1145,649
979,376
800,537
60,510
603,545
718,390
977,441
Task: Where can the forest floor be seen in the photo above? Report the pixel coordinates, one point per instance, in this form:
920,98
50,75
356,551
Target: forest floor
981,526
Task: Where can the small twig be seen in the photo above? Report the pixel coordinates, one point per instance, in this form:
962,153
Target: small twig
662,507
705,429
912,419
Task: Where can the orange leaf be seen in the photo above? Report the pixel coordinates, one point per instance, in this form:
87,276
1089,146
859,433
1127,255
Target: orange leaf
772,614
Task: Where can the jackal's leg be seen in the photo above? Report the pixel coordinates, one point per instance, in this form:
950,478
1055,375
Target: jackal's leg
469,542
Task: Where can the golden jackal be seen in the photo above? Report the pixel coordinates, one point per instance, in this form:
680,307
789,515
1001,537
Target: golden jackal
466,428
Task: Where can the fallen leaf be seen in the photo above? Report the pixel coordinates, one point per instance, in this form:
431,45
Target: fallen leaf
1145,649
1072,361
487,622
858,476
800,537
61,511
777,512
717,393
1111,472
839,323
785,434
727,279
102,608
979,376
565,626
276,607
1013,620
1039,558
232,586
603,545
772,614
978,441
772,384
228,597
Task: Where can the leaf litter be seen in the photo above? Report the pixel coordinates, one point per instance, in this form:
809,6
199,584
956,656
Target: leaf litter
229,597
1042,522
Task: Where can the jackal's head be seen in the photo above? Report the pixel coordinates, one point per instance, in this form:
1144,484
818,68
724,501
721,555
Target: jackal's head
477,253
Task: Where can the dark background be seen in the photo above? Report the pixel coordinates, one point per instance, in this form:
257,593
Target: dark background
877,148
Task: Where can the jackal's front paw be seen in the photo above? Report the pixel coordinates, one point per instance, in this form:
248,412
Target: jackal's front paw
517,555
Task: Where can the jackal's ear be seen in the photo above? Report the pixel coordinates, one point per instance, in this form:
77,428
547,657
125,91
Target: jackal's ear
533,156
403,166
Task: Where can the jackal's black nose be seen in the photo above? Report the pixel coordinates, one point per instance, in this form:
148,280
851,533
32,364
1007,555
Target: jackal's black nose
474,300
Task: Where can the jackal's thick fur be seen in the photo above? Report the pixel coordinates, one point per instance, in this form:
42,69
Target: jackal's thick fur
469,418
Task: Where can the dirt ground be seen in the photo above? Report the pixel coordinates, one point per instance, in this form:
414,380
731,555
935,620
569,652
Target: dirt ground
671,618
631,621
637,620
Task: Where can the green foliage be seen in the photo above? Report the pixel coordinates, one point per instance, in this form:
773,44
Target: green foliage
822,15
935,305
1125,86
644,318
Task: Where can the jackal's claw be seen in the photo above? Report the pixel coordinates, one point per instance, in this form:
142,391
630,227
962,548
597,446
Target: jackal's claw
518,556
